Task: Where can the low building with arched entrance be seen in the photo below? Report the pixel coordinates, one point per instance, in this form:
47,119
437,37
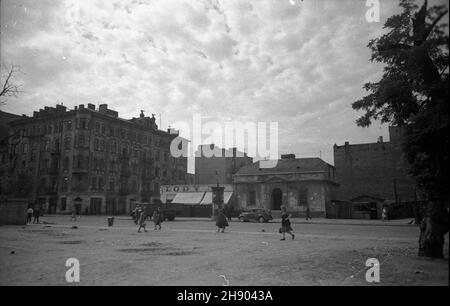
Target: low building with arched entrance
297,183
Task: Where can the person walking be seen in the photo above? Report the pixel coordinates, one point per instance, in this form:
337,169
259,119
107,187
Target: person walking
286,224
228,212
142,224
157,218
221,222
308,213
73,216
36,214
384,214
29,214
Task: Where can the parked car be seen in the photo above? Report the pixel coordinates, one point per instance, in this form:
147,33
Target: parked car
256,214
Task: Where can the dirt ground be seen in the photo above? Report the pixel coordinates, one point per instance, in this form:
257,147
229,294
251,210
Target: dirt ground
191,253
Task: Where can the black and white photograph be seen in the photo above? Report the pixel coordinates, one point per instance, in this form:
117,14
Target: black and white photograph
206,144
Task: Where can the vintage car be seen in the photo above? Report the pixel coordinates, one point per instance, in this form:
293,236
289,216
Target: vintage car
261,215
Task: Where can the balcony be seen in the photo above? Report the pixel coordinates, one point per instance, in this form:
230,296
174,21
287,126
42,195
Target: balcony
124,156
125,173
43,190
80,188
124,191
53,171
147,161
55,151
80,170
51,191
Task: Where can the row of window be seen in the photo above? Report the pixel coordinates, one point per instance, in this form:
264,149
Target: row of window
302,198
97,184
99,129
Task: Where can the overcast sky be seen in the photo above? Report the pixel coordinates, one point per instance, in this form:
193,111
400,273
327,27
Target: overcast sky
300,63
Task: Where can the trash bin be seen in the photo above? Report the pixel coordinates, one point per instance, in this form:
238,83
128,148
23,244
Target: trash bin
110,221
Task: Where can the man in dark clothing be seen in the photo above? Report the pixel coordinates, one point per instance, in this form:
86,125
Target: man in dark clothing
36,214
158,217
29,215
308,214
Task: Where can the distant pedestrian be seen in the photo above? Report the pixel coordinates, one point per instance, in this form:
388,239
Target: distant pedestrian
228,212
157,218
286,224
384,214
29,215
73,216
36,214
142,224
221,222
308,213
134,214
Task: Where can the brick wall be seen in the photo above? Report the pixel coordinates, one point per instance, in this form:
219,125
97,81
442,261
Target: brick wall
374,169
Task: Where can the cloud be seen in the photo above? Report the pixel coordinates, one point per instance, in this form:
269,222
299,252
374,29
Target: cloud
259,60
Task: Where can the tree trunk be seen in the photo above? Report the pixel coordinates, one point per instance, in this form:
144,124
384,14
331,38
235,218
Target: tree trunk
433,228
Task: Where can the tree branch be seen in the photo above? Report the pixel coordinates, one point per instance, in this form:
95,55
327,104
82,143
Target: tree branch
433,24
9,88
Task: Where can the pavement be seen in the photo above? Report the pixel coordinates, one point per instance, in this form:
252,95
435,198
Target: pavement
190,252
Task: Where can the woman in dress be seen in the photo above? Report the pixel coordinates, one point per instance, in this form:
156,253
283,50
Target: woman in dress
221,222
286,224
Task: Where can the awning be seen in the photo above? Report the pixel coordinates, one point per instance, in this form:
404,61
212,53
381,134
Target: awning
207,199
190,198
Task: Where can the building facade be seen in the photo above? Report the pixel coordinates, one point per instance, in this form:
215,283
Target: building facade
297,183
5,131
377,170
221,166
90,160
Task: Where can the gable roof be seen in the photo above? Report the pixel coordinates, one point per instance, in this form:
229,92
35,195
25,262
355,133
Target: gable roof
291,165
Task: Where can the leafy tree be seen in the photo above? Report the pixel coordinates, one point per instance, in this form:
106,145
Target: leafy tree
413,93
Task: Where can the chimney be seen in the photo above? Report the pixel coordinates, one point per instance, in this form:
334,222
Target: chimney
91,106
102,108
81,106
60,108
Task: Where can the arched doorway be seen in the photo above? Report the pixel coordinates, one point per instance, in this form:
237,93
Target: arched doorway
277,199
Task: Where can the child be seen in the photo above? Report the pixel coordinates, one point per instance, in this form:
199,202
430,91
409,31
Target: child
286,224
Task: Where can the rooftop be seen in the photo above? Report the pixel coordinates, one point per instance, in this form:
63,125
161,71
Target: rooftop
298,165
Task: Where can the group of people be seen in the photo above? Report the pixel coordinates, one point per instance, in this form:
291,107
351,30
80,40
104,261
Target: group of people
140,218
33,214
286,227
